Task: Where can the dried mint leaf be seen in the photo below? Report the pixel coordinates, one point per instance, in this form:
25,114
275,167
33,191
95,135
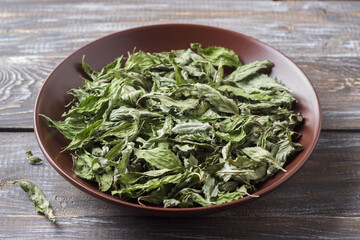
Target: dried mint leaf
41,203
32,159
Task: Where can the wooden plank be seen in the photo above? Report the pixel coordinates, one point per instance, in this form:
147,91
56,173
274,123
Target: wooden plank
321,201
337,83
307,29
180,228
322,37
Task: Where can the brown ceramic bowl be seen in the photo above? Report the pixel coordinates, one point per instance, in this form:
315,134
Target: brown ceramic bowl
52,97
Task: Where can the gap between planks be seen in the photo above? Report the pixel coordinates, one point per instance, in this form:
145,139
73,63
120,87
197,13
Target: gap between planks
16,130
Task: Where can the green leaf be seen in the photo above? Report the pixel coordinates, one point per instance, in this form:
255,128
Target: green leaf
238,136
182,105
69,128
83,137
191,128
261,81
125,158
197,137
262,155
91,73
226,150
284,148
210,116
190,197
105,180
236,91
191,162
215,55
219,74
247,70
151,184
171,203
134,177
232,123
82,166
210,188
155,197
178,77
109,70
39,199
225,197
32,159
216,99
130,95
125,112
159,158
140,61
123,130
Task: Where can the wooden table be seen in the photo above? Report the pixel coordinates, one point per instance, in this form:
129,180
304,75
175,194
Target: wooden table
321,202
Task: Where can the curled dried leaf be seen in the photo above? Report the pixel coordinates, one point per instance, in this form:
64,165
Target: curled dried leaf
39,199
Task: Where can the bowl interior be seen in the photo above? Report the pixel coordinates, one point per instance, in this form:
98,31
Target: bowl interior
52,97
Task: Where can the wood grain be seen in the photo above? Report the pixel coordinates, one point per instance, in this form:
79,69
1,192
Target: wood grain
322,37
321,201
195,228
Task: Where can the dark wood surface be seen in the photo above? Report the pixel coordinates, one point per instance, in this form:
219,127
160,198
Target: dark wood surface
323,37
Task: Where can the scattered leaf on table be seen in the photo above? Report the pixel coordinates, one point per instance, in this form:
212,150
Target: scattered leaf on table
41,203
32,159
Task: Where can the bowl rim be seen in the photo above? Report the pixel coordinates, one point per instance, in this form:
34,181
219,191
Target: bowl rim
182,211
